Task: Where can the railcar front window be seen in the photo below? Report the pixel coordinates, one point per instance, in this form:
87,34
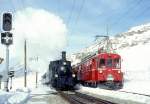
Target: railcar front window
102,63
117,63
109,63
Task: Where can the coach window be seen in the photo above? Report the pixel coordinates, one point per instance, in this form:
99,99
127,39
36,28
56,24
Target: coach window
102,63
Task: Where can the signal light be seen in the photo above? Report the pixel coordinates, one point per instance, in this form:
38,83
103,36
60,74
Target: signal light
7,38
7,21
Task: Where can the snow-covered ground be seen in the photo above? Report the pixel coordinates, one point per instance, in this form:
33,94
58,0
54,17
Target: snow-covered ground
116,97
14,97
18,94
45,95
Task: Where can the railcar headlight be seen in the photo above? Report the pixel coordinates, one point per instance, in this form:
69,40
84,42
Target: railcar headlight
110,77
56,75
119,71
73,75
100,71
62,68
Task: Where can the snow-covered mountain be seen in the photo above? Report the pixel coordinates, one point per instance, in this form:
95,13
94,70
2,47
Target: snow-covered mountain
134,48
138,35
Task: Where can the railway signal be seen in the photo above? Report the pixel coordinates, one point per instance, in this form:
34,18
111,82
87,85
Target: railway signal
7,39
7,21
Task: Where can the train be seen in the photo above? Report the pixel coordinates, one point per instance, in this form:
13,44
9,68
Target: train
60,74
101,68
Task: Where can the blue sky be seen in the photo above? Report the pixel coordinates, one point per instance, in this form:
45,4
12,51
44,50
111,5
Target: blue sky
87,18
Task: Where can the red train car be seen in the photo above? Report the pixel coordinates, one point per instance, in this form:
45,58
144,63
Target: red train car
102,68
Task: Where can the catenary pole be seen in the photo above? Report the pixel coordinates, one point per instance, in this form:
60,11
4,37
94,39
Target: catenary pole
25,64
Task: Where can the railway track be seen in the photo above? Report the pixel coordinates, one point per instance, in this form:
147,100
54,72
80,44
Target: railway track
135,93
79,98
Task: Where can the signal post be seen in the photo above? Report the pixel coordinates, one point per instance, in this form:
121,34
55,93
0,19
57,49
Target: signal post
7,39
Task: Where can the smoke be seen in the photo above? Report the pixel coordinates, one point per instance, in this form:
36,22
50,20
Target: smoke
46,36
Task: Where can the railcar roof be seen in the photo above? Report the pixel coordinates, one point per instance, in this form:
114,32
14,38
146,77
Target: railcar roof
108,55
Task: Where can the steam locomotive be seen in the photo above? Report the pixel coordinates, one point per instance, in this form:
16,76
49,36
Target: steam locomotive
60,74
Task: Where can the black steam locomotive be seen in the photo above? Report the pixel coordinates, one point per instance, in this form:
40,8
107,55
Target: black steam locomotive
61,75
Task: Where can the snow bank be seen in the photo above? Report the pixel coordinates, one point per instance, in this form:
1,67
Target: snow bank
4,97
136,68
14,97
18,98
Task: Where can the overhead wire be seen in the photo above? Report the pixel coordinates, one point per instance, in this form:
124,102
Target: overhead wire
80,10
71,12
146,9
78,16
129,10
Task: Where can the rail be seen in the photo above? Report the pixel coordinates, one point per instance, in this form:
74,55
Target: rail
79,98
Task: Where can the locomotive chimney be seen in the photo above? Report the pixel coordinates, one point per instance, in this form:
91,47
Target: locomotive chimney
63,55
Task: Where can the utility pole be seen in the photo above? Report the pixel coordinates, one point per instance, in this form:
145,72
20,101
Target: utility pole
36,78
25,64
37,73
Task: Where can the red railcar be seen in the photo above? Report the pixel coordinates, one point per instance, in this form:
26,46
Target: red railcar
102,68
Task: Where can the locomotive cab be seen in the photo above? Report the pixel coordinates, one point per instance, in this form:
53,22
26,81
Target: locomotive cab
109,68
